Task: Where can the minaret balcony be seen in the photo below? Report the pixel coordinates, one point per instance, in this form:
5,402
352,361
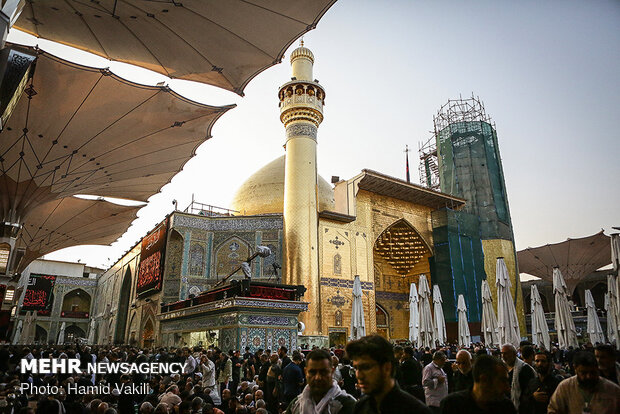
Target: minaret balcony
301,101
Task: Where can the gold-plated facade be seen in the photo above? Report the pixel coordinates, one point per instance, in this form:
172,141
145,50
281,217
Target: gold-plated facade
301,112
504,248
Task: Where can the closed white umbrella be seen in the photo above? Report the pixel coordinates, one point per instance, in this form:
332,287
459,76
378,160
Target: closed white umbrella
613,319
595,332
464,336
18,333
507,322
615,252
358,326
610,330
61,335
440,321
91,331
564,324
540,329
414,314
426,318
489,320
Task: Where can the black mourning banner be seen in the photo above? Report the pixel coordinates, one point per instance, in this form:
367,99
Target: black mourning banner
151,271
38,296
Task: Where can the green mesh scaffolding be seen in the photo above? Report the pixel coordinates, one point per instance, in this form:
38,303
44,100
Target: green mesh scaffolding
458,266
470,168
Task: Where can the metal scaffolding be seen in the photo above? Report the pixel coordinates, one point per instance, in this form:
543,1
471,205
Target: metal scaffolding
453,112
429,168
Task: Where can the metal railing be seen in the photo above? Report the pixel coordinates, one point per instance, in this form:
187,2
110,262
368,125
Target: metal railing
208,210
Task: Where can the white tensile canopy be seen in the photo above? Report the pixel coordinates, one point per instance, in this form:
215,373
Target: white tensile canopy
564,324
507,322
461,309
489,320
61,334
540,329
438,316
221,43
426,318
18,332
576,258
611,307
595,332
358,326
107,137
72,221
414,314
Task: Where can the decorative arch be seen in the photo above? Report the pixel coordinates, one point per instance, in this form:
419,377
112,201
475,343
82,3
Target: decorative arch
401,246
382,321
197,259
229,255
148,330
40,334
76,304
73,332
123,307
174,253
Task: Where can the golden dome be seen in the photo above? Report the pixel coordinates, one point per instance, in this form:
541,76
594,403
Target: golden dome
302,52
263,192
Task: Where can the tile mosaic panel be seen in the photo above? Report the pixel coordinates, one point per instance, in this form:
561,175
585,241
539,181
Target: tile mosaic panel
256,338
281,337
228,224
228,339
344,283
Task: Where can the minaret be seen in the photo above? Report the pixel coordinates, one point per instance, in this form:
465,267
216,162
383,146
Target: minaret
301,112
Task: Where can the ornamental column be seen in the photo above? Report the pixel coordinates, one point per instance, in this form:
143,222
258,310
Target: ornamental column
301,112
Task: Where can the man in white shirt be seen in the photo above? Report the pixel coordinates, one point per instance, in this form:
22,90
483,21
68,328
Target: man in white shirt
435,382
190,362
586,392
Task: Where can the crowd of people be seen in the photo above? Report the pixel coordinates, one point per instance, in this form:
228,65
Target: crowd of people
369,375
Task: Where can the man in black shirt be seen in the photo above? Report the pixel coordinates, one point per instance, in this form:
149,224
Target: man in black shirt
292,379
488,393
374,364
282,353
463,378
607,365
540,389
426,357
411,378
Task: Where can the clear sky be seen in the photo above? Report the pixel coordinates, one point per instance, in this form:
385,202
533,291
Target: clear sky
548,73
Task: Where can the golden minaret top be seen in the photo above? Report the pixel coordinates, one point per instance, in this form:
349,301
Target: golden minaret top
302,60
